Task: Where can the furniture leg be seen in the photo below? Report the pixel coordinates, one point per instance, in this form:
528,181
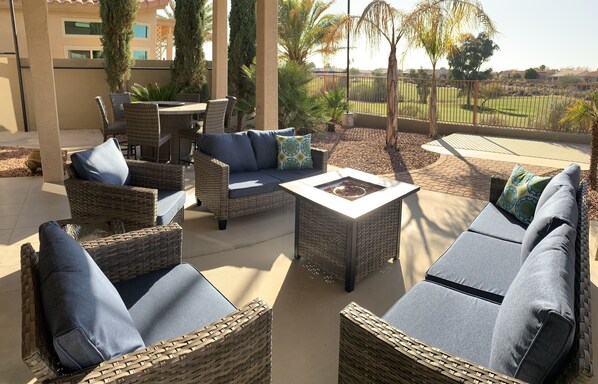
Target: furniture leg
222,224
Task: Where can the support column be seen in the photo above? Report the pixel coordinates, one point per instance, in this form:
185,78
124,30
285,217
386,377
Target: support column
35,13
169,43
266,100
219,49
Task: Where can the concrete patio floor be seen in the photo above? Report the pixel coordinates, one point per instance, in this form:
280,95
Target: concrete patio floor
253,257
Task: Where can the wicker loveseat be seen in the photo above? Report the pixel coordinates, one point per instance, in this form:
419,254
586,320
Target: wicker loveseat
235,173
206,339
506,303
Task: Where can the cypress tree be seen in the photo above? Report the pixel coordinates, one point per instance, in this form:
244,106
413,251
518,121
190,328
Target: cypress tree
118,18
241,49
189,66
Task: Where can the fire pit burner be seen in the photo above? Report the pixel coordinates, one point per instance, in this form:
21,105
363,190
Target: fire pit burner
350,188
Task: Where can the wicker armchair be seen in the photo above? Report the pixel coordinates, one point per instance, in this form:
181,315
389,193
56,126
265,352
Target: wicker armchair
135,204
236,348
117,100
230,108
371,350
211,189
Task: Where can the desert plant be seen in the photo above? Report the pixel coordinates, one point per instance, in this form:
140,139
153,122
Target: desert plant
492,119
552,118
189,66
118,18
585,113
412,111
337,104
154,92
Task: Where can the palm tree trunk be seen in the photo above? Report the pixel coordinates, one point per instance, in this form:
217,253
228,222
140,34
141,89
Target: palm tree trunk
594,157
433,117
392,101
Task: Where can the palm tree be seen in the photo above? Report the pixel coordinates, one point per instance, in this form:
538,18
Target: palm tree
585,113
207,21
381,21
436,26
303,27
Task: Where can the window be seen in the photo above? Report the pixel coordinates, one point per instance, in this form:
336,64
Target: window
90,28
140,31
140,55
84,54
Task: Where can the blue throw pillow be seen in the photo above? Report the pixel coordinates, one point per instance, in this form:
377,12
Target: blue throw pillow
233,149
294,152
88,321
265,147
104,164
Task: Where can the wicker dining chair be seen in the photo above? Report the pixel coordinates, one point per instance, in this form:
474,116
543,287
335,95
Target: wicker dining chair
143,127
230,108
110,130
213,122
188,97
117,100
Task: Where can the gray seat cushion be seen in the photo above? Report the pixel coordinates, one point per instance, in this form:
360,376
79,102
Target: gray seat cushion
172,302
450,320
479,265
104,164
497,222
244,184
569,176
85,315
265,147
560,208
536,324
169,203
291,174
233,149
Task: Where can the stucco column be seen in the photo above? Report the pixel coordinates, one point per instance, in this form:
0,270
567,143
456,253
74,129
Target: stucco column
219,49
169,43
44,92
266,100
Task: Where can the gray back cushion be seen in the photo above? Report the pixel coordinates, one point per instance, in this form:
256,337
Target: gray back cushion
560,208
569,176
535,325
104,164
87,319
233,149
265,147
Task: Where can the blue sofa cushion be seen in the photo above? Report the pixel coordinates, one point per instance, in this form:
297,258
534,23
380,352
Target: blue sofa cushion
233,149
172,302
569,176
479,265
450,320
496,222
560,208
85,315
104,164
244,184
169,203
265,147
291,175
536,323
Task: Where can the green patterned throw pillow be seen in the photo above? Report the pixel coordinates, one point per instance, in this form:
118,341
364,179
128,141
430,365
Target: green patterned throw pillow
294,152
521,194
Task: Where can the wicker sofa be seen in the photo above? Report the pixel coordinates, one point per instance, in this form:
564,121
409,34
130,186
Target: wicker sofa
206,339
506,303
235,173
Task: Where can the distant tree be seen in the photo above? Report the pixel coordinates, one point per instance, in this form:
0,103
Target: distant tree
435,26
241,50
422,85
311,66
354,71
515,75
531,74
492,91
189,66
306,29
466,60
542,67
118,18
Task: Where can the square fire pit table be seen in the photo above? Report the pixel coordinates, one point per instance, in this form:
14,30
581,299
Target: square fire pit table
348,222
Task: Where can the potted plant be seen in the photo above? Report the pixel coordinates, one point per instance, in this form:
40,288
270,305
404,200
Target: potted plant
337,105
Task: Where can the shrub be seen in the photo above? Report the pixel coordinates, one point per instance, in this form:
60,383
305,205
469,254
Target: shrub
413,111
492,119
154,92
551,119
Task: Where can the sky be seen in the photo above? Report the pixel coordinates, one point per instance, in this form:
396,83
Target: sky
555,33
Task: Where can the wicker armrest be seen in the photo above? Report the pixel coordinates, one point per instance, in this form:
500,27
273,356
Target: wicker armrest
127,255
155,175
497,185
371,350
320,159
210,173
236,348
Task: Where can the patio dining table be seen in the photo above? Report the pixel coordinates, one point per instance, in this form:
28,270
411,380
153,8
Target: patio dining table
176,116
